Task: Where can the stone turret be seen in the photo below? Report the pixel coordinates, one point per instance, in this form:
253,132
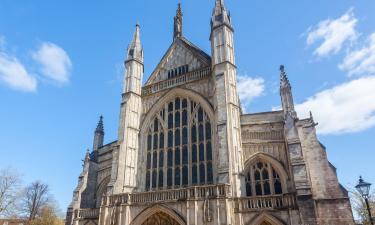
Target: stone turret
226,102
123,175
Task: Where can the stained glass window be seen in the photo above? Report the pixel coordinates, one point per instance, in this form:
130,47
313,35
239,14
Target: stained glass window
262,179
185,156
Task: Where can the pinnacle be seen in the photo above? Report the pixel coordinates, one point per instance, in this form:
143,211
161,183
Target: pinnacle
100,126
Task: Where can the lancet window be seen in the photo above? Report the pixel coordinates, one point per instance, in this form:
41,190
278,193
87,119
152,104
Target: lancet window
179,146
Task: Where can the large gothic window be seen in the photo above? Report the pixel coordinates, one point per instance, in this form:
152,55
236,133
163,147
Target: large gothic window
262,179
179,146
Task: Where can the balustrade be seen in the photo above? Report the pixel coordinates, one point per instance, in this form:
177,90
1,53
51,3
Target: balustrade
179,80
266,202
87,214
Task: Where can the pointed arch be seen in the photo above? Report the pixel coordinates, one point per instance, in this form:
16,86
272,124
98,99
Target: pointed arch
188,129
276,165
266,218
171,95
148,212
101,190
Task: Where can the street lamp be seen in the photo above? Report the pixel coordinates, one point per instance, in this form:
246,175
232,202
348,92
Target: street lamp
364,189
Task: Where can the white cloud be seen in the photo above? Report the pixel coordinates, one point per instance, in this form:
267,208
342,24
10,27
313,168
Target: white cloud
54,61
346,108
14,74
361,61
333,33
249,88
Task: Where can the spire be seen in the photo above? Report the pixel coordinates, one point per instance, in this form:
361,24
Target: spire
100,126
135,50
286,93
99,135
178,23
220,15
284,82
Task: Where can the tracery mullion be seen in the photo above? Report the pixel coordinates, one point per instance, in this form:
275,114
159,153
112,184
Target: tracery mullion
173,144
189,143
270,179
165,147
252,180
205,146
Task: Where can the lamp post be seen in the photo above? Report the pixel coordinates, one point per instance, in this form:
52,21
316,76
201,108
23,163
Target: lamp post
364,189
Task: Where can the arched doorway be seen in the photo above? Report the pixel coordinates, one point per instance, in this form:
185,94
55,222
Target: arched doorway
160,218
265,223
158,215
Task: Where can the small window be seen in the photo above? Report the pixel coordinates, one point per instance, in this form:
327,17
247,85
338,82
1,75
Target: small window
201,133
200,114
202,173
177,177
170,121
170,139
131,52
201,152
193,134
194,177
169,177
155,146
184,118
208,131
177,103
161,178
155,160
147,180
184,103
170,157
161,140
177,119
184,136
161,159
177,157
185,175
185,155
210,176
154,178
194,154
209,151
177,137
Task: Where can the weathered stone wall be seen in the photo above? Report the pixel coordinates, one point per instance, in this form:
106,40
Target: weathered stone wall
331,199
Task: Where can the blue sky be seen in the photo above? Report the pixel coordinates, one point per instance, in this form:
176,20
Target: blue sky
61,66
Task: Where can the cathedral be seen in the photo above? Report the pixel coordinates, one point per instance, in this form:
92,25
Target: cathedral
186,154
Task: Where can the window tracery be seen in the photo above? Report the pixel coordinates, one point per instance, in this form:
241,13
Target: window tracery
179,146
262,179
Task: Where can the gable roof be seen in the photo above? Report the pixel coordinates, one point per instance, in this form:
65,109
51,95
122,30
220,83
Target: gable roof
203,57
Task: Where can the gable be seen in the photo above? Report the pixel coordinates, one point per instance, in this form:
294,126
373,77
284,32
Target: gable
181,57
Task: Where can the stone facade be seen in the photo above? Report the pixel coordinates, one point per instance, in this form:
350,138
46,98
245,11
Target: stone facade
186,154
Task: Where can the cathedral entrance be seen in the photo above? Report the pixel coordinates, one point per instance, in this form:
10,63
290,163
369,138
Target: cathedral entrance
160,218
265,223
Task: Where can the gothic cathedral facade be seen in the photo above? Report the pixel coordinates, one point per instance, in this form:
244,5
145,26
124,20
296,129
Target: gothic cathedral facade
187,155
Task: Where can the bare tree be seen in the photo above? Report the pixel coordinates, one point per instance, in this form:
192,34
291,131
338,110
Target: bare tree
9,191
359,206
36,197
